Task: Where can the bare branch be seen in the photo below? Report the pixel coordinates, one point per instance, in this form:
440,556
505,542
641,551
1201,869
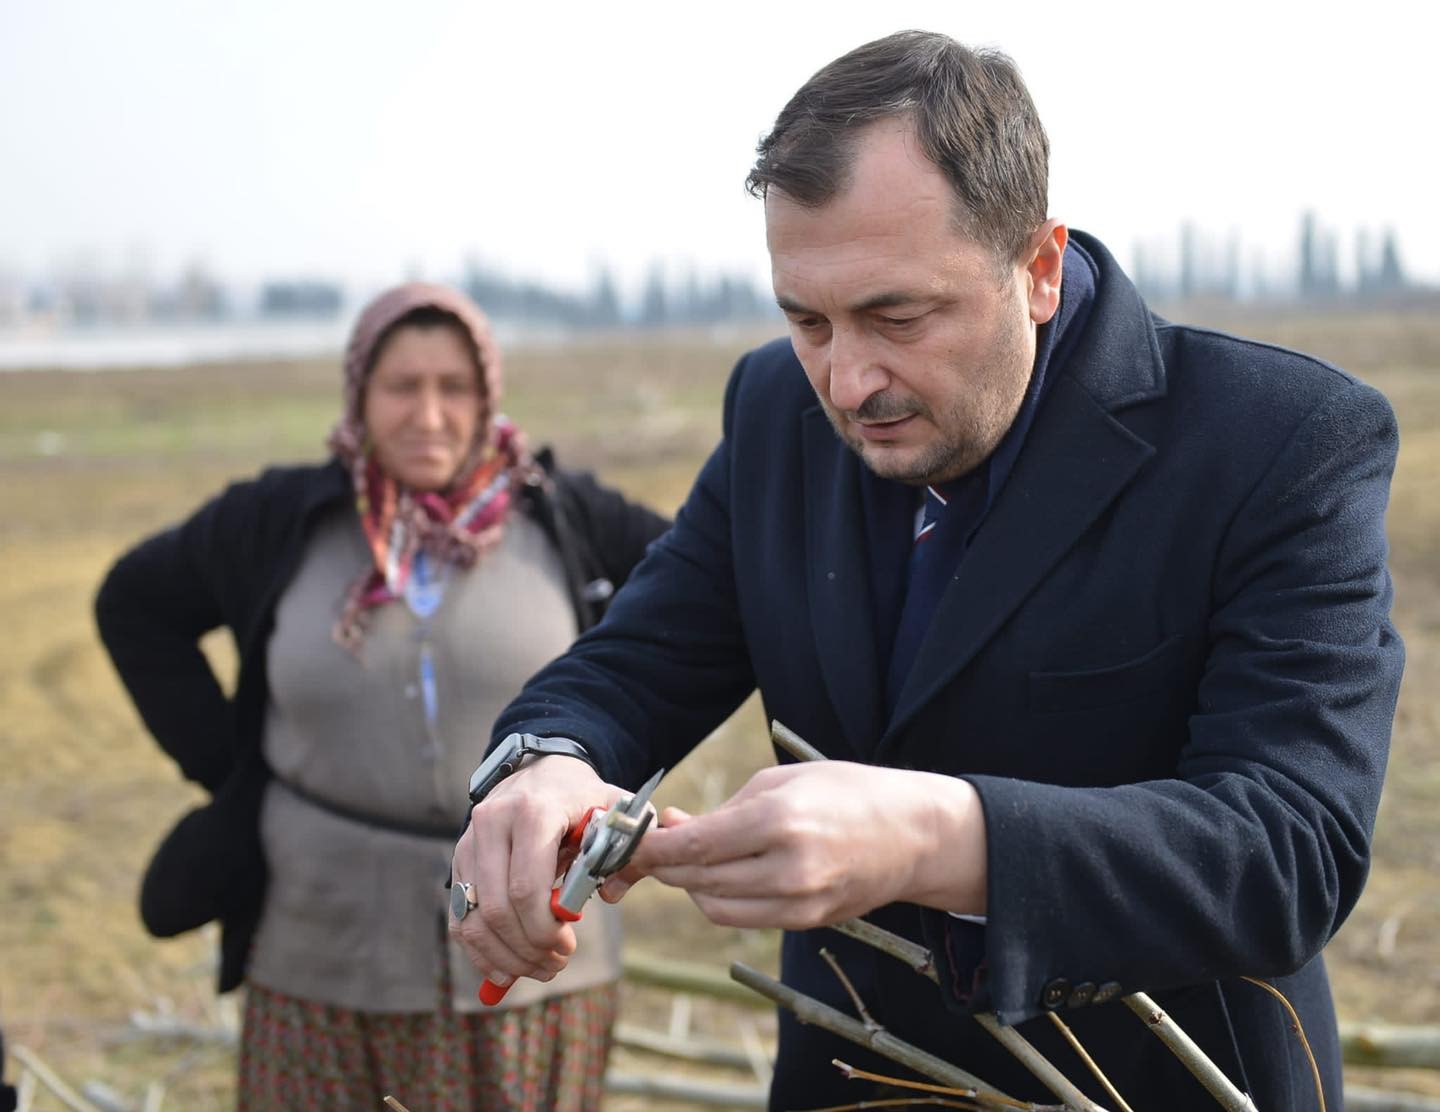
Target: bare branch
809,1010
1191,1056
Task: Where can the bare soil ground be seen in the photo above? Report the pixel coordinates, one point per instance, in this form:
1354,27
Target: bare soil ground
91,462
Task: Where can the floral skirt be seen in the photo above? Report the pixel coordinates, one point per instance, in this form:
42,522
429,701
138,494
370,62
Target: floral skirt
296,1054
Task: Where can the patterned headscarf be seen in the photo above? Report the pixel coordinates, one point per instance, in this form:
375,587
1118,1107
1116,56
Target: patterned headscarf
454,526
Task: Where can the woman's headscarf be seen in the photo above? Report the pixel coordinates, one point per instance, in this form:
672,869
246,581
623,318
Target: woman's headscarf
454,526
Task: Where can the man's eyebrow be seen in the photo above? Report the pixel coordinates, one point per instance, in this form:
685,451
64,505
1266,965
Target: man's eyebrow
877,301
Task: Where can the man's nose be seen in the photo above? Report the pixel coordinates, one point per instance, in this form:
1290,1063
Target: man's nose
854,372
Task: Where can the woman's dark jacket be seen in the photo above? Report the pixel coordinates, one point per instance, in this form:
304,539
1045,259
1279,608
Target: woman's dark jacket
227,566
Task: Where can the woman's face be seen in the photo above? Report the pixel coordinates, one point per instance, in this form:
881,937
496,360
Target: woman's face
422,405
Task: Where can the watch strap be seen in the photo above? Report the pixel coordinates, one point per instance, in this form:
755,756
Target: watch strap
507,757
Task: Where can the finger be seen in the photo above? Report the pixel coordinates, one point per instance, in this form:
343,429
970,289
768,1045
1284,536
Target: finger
495,934
783,913
486,948
757,877
535,842
737,829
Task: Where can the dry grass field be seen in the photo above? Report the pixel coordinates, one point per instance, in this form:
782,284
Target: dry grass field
91,462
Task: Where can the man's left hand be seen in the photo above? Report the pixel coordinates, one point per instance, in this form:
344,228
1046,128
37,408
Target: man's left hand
807,845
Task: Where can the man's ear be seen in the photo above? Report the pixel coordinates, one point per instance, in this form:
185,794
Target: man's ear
1045,254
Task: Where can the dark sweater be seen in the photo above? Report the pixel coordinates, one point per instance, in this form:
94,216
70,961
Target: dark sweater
228,565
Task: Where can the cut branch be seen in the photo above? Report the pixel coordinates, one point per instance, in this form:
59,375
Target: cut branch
913,954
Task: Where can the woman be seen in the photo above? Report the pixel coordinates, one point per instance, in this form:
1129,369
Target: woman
385,605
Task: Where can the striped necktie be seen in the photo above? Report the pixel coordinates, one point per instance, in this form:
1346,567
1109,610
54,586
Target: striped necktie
928,576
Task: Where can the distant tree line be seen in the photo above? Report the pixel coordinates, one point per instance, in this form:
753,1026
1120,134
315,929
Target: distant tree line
86,296
693,299
1201,266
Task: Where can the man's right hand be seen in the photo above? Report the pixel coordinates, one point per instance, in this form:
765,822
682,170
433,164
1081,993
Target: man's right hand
511,854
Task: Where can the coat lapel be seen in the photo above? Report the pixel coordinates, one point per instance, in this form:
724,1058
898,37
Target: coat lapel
1076,461
838,582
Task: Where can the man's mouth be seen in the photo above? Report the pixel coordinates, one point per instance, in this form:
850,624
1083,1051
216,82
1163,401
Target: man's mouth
882,430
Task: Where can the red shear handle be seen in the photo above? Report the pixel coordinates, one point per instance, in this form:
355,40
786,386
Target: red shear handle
491,993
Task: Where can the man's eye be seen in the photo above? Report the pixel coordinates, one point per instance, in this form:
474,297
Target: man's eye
898,322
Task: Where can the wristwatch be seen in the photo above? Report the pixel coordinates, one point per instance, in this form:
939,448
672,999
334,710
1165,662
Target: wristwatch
507,757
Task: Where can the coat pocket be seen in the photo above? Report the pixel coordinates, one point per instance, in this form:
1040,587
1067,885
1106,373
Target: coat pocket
1155,672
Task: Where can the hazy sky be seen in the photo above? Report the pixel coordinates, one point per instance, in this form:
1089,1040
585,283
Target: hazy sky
367,141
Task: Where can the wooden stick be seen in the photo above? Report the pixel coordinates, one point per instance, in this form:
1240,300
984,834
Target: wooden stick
710,1052
682,976
391,1102
51,1080
1371,1044
1191,1056
691,1090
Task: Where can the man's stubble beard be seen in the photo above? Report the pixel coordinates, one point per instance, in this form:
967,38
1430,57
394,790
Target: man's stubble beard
968,433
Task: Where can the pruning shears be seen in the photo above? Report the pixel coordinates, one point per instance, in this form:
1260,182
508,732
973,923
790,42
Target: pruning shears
604,840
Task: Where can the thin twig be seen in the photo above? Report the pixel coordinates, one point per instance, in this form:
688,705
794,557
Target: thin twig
1299,1029
853,1072
809,1010
1046,1071
1090,1063
865,1017
901,1102
1191,1056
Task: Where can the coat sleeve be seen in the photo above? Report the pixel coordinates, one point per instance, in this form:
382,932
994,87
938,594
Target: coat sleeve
1249,859
152,608
668,662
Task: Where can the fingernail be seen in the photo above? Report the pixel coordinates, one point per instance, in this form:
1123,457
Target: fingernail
500,979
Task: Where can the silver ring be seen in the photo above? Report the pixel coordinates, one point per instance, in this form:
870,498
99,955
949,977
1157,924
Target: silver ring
462,899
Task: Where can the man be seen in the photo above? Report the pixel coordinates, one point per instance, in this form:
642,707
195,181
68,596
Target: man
1111,716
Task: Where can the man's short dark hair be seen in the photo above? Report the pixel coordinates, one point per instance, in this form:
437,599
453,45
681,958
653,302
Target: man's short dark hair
972,115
